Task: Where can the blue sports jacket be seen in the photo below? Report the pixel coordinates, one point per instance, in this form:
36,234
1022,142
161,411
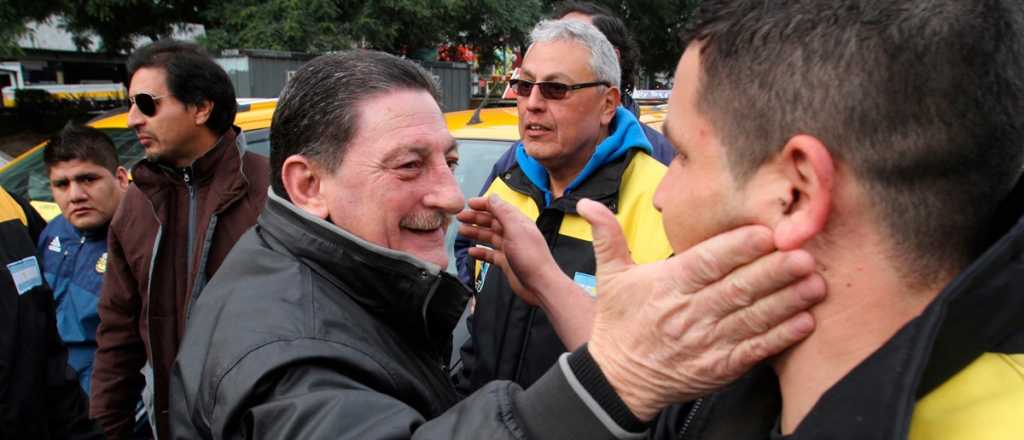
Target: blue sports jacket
73,265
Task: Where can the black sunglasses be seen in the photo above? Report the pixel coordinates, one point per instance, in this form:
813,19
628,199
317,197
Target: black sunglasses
549,89
145,102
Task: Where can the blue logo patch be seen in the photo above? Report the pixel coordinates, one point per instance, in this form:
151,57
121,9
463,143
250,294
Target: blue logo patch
587,281
26,274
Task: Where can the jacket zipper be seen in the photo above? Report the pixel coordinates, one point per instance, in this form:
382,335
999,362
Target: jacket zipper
187,176
689,418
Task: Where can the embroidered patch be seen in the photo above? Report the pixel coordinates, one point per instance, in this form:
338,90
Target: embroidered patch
55,245
26,274
101,263
587,282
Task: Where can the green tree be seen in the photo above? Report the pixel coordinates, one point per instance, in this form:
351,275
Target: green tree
313,26
490,25
14,14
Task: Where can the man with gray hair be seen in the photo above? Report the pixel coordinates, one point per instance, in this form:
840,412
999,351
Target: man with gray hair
332,317
577,142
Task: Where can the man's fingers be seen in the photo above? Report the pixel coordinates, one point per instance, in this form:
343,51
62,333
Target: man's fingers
755,350
478,203
747,284
610,248
715,257
482,254
774,310
488,235
474,217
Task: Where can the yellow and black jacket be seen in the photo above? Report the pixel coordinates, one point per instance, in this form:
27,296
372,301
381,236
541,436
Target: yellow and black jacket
39,395
954,372
511,340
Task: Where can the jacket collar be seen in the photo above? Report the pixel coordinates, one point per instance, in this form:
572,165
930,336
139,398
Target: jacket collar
625,134
416,297
978,312
220,167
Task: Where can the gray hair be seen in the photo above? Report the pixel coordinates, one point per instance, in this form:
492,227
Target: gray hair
317,114
603,61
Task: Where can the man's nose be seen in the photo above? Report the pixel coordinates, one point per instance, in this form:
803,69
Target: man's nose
76,192
536,101
135,117
445,194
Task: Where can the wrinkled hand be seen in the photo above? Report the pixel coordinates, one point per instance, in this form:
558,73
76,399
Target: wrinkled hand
682,328
516,245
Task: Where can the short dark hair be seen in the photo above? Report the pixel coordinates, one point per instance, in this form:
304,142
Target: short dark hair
192,77
317,114
922,99
80,142
614,29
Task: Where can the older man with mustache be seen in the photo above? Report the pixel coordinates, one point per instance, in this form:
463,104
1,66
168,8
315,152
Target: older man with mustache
332,317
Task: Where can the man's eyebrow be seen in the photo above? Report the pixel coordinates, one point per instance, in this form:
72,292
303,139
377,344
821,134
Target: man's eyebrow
549,77
419,149
60,181
85,175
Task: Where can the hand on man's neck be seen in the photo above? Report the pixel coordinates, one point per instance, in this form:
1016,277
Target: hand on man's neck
868,302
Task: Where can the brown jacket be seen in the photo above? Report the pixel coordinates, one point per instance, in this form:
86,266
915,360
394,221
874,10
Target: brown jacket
151,279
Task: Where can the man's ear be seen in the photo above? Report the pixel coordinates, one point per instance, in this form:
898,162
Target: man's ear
122,178
612,99
302,179
807,166
203,111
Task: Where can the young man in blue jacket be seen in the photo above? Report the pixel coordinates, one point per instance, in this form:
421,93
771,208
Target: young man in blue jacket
88,184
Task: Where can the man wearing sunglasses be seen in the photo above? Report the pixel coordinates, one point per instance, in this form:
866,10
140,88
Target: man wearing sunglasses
577,142
192,197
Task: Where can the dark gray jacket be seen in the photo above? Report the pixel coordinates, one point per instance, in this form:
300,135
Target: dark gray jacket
309,332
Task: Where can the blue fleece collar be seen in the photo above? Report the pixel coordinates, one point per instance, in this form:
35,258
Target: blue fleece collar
626,133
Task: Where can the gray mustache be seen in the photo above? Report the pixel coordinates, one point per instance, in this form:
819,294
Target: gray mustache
425,220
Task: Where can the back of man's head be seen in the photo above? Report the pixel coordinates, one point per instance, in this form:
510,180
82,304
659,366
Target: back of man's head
317,114
920,99
192,77
84,143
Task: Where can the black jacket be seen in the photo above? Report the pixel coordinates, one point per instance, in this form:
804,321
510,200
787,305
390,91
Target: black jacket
512,340
40,397
973,330
308,332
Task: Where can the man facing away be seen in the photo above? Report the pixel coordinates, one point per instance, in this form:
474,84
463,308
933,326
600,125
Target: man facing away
578,142
88,183
332,317
884,139
192,197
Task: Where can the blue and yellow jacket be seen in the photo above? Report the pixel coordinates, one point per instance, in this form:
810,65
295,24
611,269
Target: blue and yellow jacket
513,341
73,263
954,372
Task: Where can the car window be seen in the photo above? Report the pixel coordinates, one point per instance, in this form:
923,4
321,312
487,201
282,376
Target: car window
476,157
258,141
